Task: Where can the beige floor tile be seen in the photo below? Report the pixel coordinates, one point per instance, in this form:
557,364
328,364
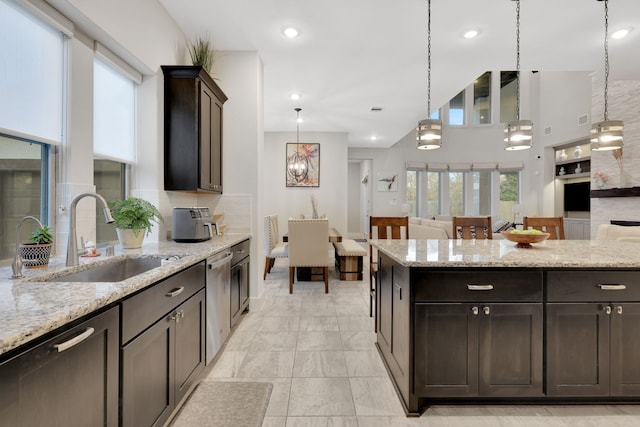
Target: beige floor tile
322,422
274,422
355,323
375,396
351,310
364,364
358,340
278,323
240,340
320,396
319,341
264,364
228,364
319,364
274,341
318,323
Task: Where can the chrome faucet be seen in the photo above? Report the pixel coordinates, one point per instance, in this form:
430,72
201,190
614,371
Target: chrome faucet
72,246
16,265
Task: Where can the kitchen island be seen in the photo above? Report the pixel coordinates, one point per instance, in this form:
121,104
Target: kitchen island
483,321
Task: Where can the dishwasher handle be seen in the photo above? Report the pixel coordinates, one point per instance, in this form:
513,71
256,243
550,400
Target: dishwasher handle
220,263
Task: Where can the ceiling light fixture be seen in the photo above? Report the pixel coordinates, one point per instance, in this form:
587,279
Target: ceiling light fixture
607,134
290,32
518,134
620,34
470,34
429,131
297,163
294,96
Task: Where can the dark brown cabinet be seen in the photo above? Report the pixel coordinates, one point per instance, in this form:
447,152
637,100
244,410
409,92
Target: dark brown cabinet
164,359
193,105
68,380
239,280
484,349
593,325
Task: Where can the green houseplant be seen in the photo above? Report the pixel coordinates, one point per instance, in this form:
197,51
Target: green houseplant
202,53
36,254
134,217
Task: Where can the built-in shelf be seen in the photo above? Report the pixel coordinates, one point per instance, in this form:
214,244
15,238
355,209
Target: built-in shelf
574,175
616,192
572,156
573,160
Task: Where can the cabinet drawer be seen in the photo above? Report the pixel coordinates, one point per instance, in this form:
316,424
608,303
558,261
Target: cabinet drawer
481,285
593,286
143,309
240,251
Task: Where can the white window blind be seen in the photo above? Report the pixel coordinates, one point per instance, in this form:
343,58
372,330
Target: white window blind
114,111
31,75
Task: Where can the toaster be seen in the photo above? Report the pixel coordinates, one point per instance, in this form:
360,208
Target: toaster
191,225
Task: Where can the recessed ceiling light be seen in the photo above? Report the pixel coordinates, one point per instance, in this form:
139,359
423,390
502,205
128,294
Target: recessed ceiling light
620,34
294,96
300,120
290,32
470,34
373,138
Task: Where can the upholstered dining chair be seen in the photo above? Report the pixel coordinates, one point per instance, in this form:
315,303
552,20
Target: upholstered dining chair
273,247
382,227
472,227
553,225
308,247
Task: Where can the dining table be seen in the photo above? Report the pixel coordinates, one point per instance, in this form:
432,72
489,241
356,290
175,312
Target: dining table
334,236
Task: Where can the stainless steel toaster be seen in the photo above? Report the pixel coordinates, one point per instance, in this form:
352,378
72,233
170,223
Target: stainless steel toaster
191,225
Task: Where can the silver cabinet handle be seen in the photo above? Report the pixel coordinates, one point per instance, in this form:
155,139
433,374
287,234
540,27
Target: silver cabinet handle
479,287
607,309
612,287
174,292
619,309
74,341
475,310
487,311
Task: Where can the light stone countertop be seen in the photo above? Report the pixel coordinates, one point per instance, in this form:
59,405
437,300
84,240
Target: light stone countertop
503,253
31,308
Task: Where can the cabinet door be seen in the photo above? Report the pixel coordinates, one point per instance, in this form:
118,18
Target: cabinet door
384,293
446,350
69,380
148,391
510,350
210,140
190,345
577,349
400,331
625,349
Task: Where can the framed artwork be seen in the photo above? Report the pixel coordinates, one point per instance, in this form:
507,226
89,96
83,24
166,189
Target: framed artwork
387,181
303,164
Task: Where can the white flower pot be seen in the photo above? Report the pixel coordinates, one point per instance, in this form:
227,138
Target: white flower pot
130,239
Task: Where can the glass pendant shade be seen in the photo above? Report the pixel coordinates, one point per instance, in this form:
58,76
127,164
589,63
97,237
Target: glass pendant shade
607,135
429,134
518,135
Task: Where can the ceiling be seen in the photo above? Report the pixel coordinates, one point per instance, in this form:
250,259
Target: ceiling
353,55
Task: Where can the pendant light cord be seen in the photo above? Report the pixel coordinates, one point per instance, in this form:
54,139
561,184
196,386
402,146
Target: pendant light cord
429,59
518,60
606,59
298,127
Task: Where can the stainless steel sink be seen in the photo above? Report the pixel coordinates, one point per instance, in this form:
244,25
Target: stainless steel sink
111,272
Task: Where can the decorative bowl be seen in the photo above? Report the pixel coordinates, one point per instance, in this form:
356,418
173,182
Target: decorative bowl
525,240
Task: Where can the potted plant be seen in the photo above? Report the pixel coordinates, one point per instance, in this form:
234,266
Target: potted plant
202,53
134,218
37,253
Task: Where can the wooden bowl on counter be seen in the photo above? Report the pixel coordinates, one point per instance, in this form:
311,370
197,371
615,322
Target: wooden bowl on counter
525,240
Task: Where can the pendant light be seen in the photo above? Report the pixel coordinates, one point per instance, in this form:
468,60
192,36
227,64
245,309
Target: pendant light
429,132
607,134
297,163
518,134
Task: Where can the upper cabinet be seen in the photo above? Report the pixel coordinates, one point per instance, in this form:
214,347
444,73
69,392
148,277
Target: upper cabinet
573,160
192,130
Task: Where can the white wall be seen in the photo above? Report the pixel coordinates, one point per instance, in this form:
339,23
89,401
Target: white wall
295,201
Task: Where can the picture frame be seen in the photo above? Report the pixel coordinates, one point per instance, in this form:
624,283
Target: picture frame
302,164
387,181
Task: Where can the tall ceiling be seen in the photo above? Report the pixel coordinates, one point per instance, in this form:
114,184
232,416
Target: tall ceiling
353,55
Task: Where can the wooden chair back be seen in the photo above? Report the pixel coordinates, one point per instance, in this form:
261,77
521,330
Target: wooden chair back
387,227
553,225
472,227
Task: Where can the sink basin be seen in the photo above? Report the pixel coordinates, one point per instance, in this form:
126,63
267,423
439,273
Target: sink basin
112,272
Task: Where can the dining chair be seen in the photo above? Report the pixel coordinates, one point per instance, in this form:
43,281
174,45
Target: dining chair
273,247
382,227
553,225
308,247
472,227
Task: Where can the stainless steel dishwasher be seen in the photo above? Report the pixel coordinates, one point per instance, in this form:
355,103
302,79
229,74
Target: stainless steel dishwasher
218,293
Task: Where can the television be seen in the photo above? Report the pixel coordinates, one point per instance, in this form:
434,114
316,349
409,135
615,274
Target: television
577,196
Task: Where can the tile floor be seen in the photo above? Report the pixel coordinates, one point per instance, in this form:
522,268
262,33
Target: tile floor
318,351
